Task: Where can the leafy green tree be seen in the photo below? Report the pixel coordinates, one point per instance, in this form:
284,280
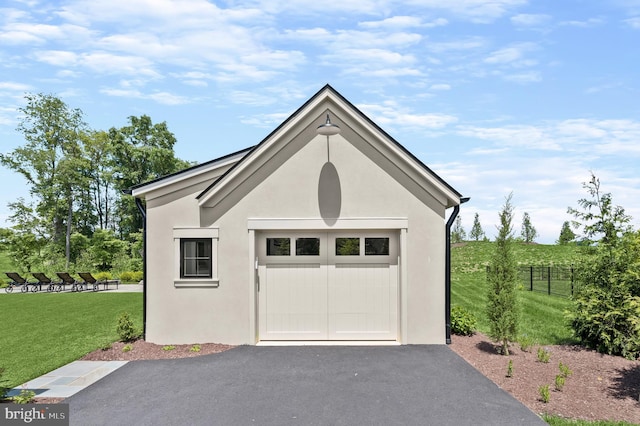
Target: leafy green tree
502,302
458,234
49,161
528,231
477,233
606,310
566,234
600,219
143,151
101,192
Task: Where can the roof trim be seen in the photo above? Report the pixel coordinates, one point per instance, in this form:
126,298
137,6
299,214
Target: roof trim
205,195
163,181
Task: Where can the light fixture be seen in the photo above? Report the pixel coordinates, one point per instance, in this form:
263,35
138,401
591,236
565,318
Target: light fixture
328,128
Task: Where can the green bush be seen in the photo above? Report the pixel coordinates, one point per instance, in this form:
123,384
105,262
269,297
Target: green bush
131,276
463,322
100,276
125,328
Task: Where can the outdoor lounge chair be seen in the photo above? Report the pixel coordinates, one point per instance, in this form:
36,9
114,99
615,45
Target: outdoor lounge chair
43,279
90,279
68,279
18,281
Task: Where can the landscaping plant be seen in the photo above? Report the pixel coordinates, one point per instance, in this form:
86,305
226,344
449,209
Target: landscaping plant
125,328
543,355
510,369
502,302
543,390
463,322
559,382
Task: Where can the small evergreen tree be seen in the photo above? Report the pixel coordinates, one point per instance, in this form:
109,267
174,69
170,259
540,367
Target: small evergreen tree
566,234
476,231
528,231
502,302
458,234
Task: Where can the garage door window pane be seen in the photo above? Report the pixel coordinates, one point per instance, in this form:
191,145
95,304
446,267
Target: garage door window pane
278,247
307,246
347,246
376,246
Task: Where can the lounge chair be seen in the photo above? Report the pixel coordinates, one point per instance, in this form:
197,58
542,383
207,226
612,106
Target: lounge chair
16,281
90,279
43,279
68,279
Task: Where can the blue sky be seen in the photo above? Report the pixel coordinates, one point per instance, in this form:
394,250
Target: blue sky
500,96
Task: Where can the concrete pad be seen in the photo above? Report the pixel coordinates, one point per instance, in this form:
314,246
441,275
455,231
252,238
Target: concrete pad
69,379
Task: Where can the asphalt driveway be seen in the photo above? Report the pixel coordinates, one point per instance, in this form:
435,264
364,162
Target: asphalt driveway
307,385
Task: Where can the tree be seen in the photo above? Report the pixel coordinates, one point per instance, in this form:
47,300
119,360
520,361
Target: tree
49,161
457,233
566,234
143,151
528,231
502,303
606,311
476,230
599,218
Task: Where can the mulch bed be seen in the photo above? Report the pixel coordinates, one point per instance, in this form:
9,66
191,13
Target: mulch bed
602,387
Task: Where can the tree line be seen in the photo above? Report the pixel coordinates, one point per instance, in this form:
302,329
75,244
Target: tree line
76,175
528,232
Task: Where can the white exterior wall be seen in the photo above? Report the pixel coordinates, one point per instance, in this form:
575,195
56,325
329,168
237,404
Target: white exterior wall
224,314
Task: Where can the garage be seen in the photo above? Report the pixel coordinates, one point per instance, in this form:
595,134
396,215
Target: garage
340,285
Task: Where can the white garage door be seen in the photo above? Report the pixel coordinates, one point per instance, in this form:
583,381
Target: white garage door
328,286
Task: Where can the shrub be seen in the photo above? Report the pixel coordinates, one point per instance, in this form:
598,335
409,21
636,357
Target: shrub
131,276
3,389
543,355
168,348
25,397
510,369
125,328
543,390
559,382
127,348
100,276
463,322
526,342
195,348
564,370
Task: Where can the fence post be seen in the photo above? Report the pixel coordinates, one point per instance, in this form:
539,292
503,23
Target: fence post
549,280
530,278
572,279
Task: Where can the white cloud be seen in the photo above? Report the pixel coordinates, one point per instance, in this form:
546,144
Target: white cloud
163,98
633,22
397,22
440,87
13,86
530,20
388,114
589,23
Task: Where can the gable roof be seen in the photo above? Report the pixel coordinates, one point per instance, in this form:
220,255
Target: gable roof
164,181
324,100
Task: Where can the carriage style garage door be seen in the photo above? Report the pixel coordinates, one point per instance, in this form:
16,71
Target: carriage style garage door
328,286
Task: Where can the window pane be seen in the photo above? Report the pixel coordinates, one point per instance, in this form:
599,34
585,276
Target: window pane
196,261
307,246
347,246
376,246
278,247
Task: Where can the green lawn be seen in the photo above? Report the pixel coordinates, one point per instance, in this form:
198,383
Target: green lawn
559,421
45,331
542,316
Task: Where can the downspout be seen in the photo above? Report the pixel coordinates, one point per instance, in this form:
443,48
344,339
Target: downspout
143,212
447,270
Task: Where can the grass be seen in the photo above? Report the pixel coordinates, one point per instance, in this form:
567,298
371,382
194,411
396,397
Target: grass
542,316
560,421
45,331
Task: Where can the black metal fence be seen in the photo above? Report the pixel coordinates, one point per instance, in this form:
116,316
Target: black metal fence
556,280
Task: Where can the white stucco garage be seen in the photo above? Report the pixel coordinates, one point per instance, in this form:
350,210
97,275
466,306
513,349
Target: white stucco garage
324,231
